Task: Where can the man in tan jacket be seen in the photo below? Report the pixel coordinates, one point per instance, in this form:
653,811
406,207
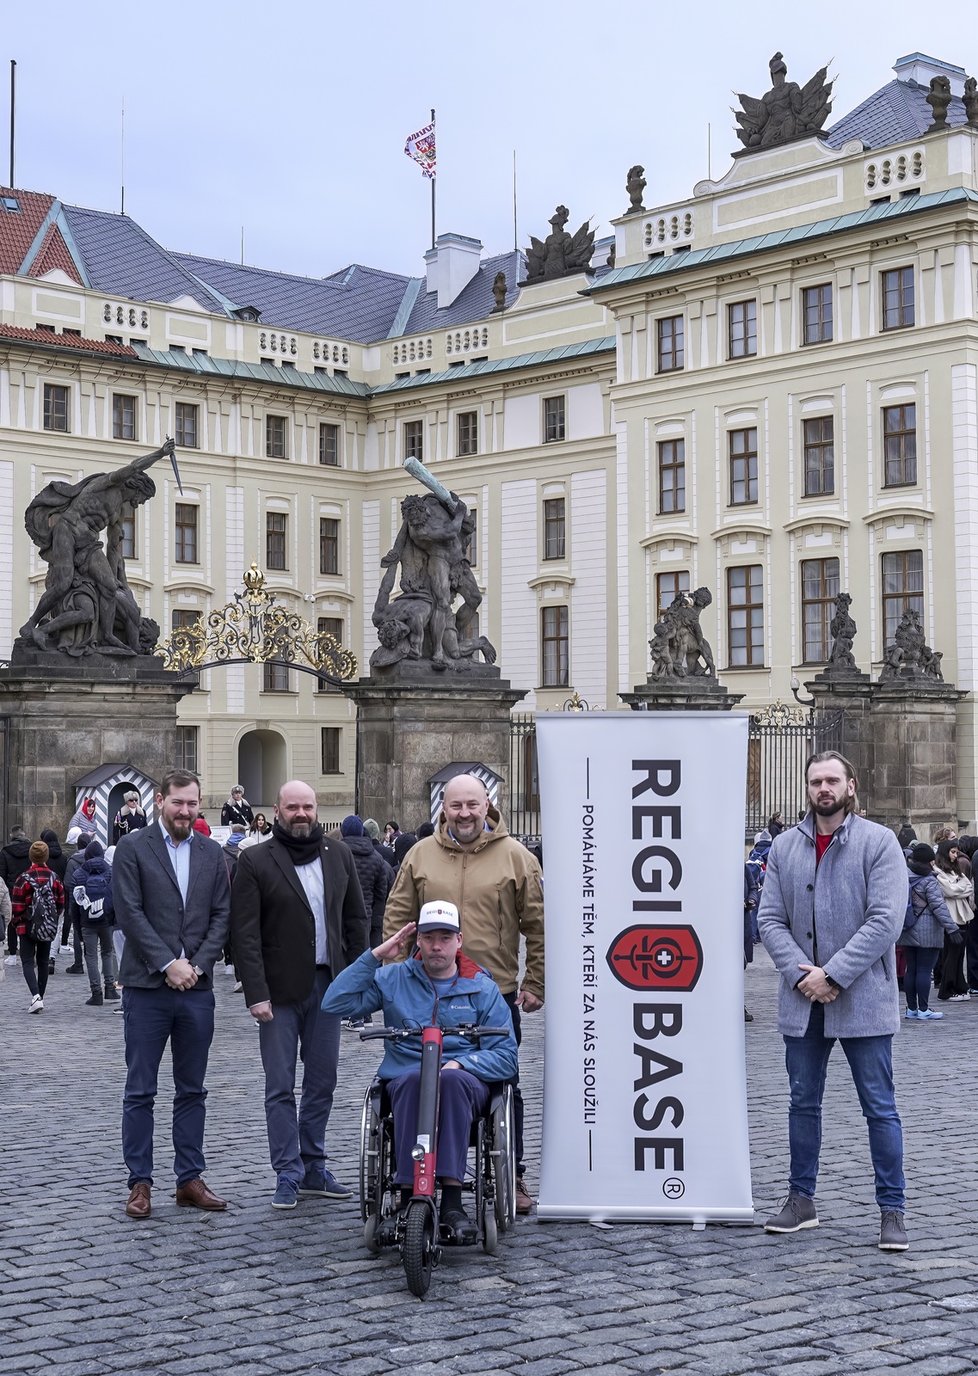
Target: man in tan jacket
497,886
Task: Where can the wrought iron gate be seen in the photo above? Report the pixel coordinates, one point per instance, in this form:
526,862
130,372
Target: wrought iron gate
524,779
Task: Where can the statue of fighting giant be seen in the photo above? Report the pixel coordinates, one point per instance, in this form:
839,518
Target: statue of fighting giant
429,553
87,606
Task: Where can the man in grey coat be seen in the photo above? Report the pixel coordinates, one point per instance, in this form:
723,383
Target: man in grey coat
832,907
172,901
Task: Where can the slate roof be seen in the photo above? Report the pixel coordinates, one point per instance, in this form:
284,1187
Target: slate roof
474,302
757,243
897,113
122,260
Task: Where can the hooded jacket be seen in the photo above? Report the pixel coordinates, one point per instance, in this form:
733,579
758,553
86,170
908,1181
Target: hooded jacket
374,875
57,860
15,858
934,917
408,999
497,886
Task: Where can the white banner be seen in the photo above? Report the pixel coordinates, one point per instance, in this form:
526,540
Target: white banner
644,1103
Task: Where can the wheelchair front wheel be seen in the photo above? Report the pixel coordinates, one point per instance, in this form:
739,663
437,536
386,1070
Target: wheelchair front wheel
418,1250
490,1234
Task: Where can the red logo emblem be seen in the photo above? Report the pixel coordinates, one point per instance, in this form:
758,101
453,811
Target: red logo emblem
656,958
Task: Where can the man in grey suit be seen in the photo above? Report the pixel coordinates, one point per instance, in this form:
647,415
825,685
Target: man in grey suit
298,919
832,906
172,901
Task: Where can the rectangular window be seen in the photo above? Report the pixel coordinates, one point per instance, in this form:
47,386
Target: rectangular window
742,329
816,309
467,433
672,476
185,545
55,407
670,337
185,424
554,528
819,589
898,303
330,739
276,437
128,524
899,445
414,440
276,531
556,646
123,416
818,436
554,419
187,752
329,545
329,444
743,465
276,678
745,615
470,536
903,589
182,618
668,586
329,625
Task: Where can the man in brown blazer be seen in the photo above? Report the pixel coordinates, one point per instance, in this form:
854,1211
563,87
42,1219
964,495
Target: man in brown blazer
297,920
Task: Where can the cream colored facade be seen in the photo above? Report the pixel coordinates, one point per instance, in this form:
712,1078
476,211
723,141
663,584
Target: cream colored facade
596,346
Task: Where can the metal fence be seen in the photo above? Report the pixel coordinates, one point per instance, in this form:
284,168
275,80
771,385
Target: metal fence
780,740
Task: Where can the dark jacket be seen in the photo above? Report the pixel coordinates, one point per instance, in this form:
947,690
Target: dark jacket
57,860
15,858
151,912
273,931
95,866
23,892
375,876
237,812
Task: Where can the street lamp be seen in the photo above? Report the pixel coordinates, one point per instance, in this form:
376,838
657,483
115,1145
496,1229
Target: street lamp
795,686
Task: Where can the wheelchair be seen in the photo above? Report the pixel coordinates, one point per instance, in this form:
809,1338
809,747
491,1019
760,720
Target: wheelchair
490,1185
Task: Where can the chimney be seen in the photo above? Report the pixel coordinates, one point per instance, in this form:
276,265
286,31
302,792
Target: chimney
451,265
920,68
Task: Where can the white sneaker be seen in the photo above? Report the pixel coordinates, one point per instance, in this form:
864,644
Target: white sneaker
237,987
64,950
37,1004
960,998
12,960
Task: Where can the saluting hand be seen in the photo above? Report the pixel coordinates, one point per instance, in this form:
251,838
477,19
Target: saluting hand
396,945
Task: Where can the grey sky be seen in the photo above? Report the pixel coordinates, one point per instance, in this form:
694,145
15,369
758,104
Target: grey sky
290,120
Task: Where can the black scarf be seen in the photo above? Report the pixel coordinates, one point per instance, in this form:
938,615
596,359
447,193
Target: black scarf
302,850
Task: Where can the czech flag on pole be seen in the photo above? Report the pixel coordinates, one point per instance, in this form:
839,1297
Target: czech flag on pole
421,147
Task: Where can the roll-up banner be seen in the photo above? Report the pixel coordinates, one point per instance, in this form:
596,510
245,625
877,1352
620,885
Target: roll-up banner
644,1103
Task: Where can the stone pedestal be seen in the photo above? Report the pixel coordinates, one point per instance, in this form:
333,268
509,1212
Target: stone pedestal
64,718
900,737
694,694
408,731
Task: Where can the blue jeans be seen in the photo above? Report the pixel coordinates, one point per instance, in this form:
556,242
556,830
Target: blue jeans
870,1062
297,1141
151,1018
920,966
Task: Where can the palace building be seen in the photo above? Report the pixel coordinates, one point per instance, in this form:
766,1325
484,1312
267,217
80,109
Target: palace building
770,389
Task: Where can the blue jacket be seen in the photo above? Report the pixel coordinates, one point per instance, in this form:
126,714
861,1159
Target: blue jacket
844,916
408,998
934,919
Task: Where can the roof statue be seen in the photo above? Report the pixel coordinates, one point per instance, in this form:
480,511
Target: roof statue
87,606
938,98
786,113
909,657
635,184
970,99
561,253
499,291
422,624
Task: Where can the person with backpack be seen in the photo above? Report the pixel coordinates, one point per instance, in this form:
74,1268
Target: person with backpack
37,900
926,920
93,896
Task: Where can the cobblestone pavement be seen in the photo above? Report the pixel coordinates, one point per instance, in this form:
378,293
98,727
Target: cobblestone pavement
86,1292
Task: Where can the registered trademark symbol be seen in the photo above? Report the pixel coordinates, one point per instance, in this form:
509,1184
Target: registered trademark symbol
673,1188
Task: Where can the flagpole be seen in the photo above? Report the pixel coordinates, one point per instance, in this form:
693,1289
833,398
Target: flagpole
516,240
433,180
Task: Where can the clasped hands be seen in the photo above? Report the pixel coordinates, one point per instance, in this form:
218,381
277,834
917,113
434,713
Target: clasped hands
180,974
815,986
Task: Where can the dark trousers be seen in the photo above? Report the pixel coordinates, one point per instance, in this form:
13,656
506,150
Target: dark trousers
11,935
952,971
916,980
971,946
462,1099
151,1018
34,959
515,1082
297,1138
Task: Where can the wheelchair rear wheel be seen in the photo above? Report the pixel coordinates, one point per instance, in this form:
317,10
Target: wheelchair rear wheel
503,1155
418,1250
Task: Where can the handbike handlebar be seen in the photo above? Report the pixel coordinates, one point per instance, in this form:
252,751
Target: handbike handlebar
464,1029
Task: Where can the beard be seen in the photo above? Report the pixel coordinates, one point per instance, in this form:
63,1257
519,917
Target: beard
299,830
180,830
824,809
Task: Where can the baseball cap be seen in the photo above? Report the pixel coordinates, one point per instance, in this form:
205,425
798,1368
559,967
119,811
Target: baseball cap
440,916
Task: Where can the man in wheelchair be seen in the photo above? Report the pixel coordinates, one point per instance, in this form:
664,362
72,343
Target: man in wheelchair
439,986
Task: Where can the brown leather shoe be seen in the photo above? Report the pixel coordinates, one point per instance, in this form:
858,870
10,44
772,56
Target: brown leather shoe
139,1204
196,1195
524,1201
